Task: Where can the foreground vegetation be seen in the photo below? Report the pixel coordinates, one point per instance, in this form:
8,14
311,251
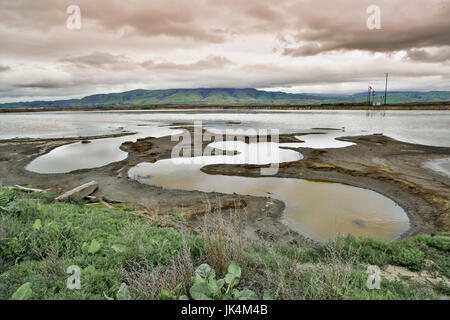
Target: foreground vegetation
123,255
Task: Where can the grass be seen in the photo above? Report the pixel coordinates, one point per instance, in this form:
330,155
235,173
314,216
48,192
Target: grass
40,239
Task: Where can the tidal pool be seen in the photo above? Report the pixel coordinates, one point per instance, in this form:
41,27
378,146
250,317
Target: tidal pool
97,153
318,210
101,152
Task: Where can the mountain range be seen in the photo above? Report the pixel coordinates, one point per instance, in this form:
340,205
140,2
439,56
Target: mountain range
225,96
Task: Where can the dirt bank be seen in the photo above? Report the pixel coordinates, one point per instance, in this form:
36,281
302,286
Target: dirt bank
376,162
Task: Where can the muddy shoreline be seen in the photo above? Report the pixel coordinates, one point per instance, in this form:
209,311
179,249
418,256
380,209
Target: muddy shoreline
387,166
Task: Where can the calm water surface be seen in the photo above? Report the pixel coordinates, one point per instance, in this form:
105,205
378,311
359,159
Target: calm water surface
423,127
316,209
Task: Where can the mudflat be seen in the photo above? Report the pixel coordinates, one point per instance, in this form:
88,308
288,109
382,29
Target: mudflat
387,166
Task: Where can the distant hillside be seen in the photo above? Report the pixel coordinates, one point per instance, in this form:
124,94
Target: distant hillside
223,96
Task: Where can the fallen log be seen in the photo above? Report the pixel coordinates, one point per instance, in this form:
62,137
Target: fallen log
82,191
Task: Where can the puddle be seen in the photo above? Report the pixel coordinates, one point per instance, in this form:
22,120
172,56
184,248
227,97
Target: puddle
78,156
325,140
318,210
98,153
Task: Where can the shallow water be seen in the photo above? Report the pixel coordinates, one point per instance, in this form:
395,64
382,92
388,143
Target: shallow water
97,153
326,139
431,128
422,127
315,209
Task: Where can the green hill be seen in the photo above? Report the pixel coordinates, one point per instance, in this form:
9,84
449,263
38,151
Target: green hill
223,96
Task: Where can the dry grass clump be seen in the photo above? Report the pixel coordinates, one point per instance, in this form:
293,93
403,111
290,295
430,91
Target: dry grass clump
283,274
134,234
146,282
224,237
331,278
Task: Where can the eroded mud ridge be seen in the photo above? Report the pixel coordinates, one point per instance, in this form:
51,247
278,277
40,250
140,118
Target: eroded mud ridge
379,163
375,162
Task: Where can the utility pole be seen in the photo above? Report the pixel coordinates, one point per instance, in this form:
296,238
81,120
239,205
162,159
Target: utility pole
385,89
368,95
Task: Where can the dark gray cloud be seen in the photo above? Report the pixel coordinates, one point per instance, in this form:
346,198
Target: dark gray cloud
96,60
306,45
104,60
417,24
439,55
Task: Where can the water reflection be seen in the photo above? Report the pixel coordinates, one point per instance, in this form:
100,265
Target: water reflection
315,209
97,153
326,139
422,127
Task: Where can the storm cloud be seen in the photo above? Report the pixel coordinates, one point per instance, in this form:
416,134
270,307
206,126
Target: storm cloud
293,45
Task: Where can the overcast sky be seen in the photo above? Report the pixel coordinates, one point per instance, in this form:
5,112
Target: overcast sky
316,46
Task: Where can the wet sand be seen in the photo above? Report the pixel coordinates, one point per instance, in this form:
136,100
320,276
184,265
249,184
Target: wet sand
375,162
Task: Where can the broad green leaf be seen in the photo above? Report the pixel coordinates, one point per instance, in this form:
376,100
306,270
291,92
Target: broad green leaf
119,248
213,287
198,279
231,280
200,291
234,274
123,293
205,271
24,292
245,294
37,224
220,283
234,269
183,297
94,247
267,296
165,295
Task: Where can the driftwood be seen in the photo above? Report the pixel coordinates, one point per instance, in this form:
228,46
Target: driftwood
82,191
110,207
92,199
111,200
26,189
